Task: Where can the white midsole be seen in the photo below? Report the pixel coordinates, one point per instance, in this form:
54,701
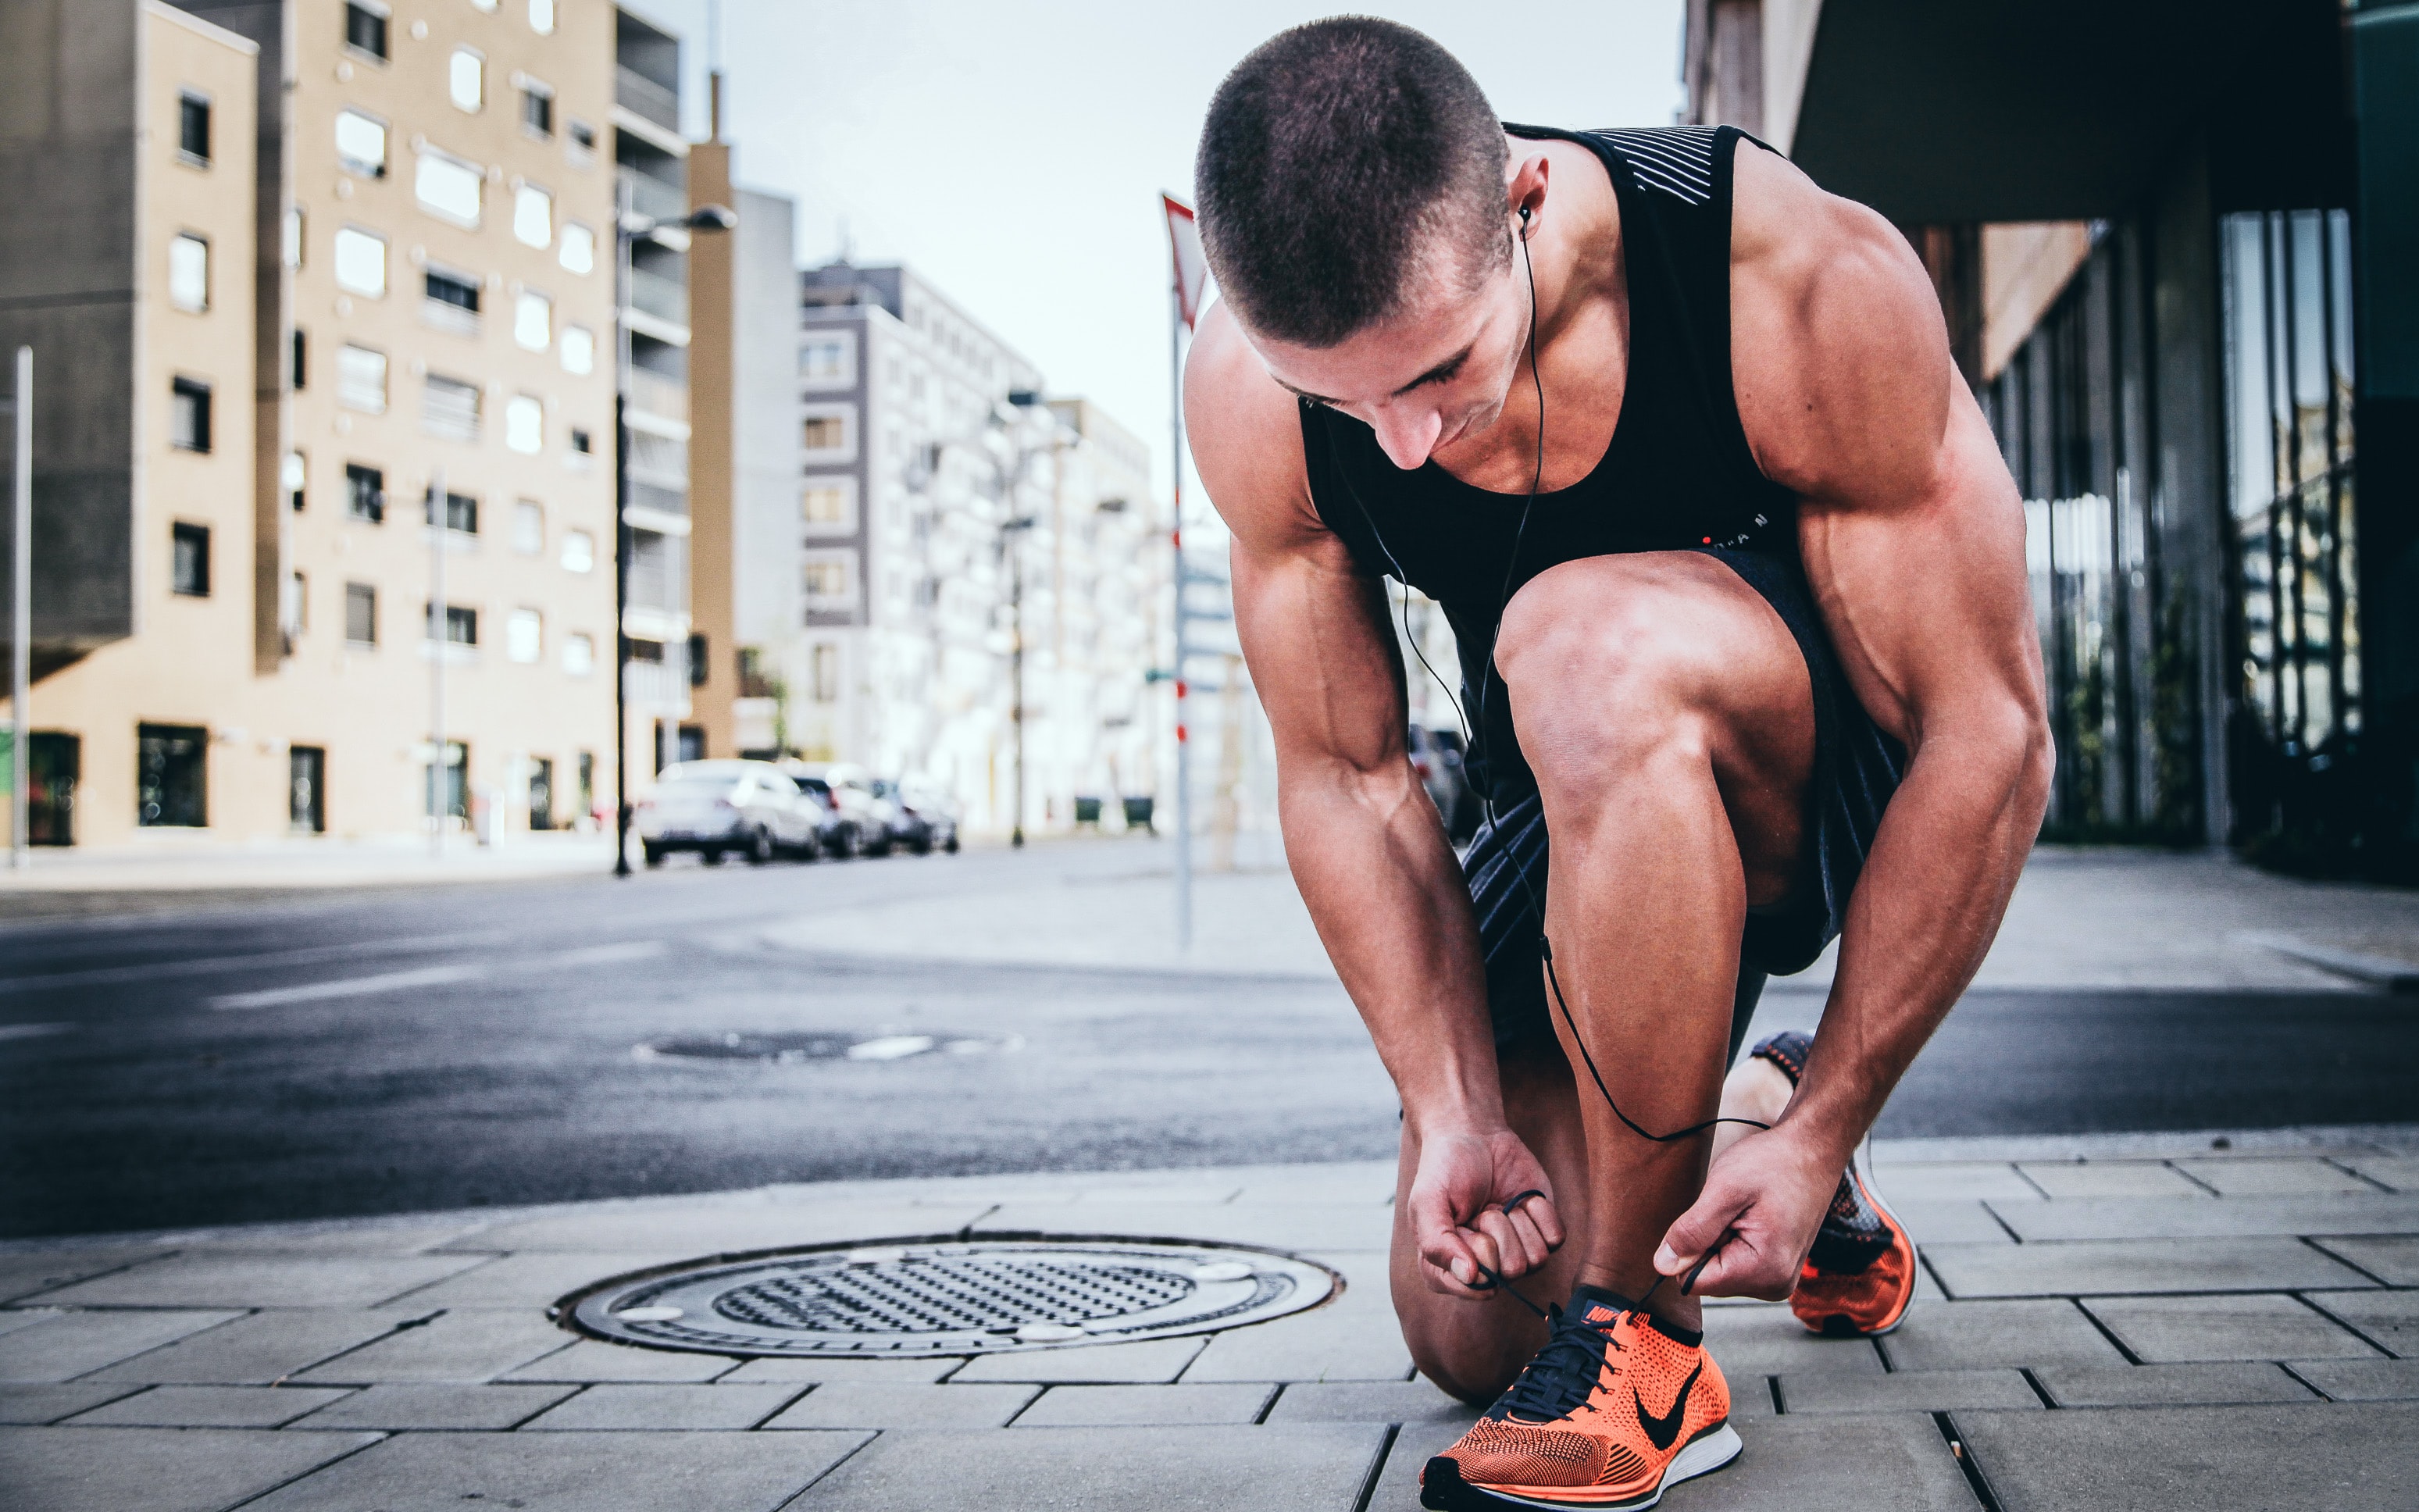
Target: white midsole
1710,1452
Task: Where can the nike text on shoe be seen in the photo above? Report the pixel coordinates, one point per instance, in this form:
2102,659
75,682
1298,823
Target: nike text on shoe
1861,1274
1615,1408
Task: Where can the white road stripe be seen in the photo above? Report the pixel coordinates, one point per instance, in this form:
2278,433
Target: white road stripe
604,955
203,966
349,987
31,1031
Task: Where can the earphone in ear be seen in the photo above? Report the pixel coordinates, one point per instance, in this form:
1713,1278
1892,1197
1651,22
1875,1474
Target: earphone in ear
1524,215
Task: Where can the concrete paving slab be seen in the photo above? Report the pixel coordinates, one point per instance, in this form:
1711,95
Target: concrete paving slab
212,1407
1768,1341
356,1236
2119,1267
1205,1196
2284,1176
2109,1179
157,1469
2212,1383
1302,1467
886,1372
28,1405
464,1347
13,1319
1398,1482
1887,1463
721,1228
2393,1259
1151,1360
2163,1329
1971,1334
404,1407
1085,1407
1980,1180
532,1281
261,1280
2364,1213
1277,1226
863,1405
2362,1381
1356,1338
70,1344
1947,1220
595,1360
256,1349
1920,1391
569,1472
2400,1172
2346,1459
2389,1319
667,1409
30,1273
1372,1401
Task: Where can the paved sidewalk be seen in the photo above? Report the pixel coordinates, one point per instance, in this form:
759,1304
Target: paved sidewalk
2159,1323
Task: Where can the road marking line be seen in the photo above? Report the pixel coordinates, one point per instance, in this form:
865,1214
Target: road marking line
349,987
604,955
202,966
31,1031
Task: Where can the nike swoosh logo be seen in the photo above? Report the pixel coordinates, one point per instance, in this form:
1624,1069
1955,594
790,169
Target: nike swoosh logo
1660,1431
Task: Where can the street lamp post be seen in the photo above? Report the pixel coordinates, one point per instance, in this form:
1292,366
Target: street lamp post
1016,665
628,227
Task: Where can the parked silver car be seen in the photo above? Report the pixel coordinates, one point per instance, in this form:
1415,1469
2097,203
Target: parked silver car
717,808
874,820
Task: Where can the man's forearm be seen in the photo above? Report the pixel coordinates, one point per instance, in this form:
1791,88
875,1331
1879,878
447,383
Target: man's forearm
1944,863
1390,904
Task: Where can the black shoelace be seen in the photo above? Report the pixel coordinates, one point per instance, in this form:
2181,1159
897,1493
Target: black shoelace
1563,1375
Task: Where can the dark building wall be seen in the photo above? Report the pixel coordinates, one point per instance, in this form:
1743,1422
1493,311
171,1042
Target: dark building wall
68,280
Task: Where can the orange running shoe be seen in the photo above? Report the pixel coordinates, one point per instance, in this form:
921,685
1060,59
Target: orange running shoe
1615,1408
1861,1274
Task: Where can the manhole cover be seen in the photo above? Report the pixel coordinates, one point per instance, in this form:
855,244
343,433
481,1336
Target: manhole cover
794,1049
963,1298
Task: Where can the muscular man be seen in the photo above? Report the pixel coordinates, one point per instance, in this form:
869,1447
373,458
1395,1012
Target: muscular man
1738,580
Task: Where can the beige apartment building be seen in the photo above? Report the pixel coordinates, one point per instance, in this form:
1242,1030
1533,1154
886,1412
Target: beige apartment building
399,283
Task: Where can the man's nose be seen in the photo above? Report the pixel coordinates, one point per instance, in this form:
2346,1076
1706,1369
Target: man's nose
1407,436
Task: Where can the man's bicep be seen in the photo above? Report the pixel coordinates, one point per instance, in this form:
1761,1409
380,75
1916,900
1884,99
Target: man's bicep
1326,667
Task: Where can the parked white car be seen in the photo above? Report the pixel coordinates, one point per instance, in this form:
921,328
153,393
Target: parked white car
717,808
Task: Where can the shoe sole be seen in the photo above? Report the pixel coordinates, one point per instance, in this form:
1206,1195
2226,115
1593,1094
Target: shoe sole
1914,1267
1442,1489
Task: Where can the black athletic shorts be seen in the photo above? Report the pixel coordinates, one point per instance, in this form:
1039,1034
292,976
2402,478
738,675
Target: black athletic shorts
1856,768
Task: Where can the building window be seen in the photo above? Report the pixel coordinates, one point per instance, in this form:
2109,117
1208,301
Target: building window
587,782
360,614
461,625
361,379
578,351
524,631
824,505
461,512
524,424
578,654
194,128
578,254
697,655
189,573
294,475
458,782
827,432
365,28
541,792
465,79
298,602
826,673
364,493
582,444
361,144
827,359
189,415
528,528
299,371
533,215
541,15
533,321
830,581
361,261
170,761
292,236
306,790
650,653
537,108
188,273
453,300
579,143
578,551
449,188
450,408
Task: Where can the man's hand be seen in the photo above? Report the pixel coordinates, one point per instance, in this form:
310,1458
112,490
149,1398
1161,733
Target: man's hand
1457,1210
1761,1202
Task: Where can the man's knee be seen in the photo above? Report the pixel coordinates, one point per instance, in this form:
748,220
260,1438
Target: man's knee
1606,666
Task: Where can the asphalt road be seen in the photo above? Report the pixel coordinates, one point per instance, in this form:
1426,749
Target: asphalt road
398,1050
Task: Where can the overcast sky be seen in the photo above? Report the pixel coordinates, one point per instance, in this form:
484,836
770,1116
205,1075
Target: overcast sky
1013,154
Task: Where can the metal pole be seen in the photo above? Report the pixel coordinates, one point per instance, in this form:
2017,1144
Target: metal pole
439,768
20,606
621,529
1175,540
1016,670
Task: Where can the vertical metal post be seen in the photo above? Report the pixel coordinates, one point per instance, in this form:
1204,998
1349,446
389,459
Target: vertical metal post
1176,541
439,768
20,608
622,193
1016,667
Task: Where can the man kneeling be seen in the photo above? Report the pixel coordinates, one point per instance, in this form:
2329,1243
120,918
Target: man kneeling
1738,580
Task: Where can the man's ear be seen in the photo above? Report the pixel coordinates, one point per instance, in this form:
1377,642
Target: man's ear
1524,191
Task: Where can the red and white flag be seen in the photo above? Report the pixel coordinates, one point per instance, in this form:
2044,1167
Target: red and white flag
1191,268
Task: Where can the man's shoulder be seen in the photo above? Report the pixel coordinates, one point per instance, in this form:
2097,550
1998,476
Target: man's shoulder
1245,432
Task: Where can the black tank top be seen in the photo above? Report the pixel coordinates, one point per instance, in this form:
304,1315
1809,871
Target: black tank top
1677,474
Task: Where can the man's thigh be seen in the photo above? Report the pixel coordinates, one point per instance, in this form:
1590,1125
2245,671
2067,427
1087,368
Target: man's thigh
1473,1349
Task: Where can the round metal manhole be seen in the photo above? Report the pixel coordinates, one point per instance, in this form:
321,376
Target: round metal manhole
792,1049
976,1297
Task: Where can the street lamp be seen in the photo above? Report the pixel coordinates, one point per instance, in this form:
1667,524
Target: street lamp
1012,479
629,227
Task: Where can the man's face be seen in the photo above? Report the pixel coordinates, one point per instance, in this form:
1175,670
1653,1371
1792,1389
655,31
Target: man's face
1431,375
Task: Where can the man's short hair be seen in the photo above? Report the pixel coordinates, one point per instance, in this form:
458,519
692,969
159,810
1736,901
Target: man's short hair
1337,158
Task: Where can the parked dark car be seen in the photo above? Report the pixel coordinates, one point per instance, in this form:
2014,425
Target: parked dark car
1436,759
928,818
843,831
